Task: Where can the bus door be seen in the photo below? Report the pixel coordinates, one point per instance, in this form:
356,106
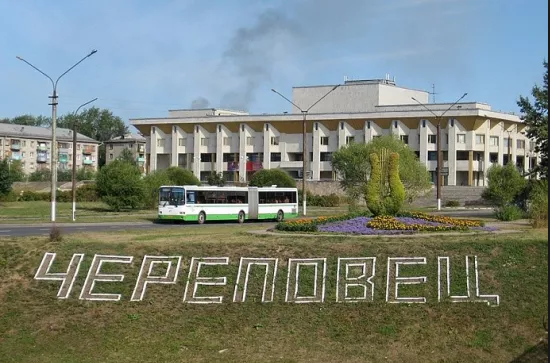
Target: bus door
253,202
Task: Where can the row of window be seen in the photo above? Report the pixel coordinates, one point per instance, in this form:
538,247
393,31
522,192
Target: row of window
230,197
324,140
61,145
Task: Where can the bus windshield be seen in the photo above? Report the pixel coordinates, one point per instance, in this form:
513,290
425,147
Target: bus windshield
171,196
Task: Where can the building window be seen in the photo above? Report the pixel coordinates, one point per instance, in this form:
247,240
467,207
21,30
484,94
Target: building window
493,141
31,154
324,140
405,139
226,141
110,156
276,157
24,143
181,141
521,144
204,141
325,157
461,138
274,140
532,145
507,142
110,146
23,154
160,142
432,155
480,139
249,140
32,143
432,139
350,139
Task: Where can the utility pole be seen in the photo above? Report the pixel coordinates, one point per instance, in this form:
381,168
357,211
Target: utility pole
74,156
304,141
53,156
438,119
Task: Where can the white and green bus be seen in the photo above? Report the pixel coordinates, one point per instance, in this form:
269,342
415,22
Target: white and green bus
210,203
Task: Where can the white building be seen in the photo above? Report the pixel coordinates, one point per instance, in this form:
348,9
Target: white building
237,144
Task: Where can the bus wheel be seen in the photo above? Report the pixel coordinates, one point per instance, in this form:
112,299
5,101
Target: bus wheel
241,217
202,218
280,216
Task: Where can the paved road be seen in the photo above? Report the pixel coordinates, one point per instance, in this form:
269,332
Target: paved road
43,229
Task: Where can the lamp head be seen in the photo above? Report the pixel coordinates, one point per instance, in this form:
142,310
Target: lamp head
18,57
272,90
92,52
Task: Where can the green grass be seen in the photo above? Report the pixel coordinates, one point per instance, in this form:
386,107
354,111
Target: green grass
36,326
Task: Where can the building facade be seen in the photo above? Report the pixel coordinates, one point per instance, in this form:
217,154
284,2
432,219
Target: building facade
32,146
134,143
238,144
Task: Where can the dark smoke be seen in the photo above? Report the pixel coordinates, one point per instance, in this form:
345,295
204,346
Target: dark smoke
200,103
367,31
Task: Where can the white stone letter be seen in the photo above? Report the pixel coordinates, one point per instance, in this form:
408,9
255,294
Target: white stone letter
293,290
145,274
394,280
268,290
444,284
195,270
347,278
94,275
68,277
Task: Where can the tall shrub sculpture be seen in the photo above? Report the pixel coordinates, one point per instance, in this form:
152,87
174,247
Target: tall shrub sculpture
385,193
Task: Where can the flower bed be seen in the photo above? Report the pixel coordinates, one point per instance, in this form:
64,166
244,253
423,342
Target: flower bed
363,224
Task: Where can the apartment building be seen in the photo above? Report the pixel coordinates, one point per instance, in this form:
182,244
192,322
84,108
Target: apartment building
32,146
133,142
238,144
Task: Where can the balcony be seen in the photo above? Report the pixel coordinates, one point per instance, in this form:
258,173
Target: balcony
62,150
41,158
88,150
141,148
16,156
292,164
16,146
87,161
63,158
141,159
253,165
42,147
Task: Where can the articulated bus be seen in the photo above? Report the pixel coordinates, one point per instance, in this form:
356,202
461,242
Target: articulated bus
209,203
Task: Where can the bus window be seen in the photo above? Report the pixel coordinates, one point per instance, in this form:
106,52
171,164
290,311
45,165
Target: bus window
177,197
164,196
190,198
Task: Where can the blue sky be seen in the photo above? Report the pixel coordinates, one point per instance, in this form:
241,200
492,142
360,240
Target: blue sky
159,55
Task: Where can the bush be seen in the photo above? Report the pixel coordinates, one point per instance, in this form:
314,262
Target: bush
538,205
385,193
216,179
314,200
505,184
5,177
120,186
152,182
452,204
56,235
269,177
87,193
509,213
180,176
11,196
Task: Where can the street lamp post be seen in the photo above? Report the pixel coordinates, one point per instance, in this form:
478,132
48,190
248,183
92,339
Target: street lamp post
53,160
304,141
74,155
438,145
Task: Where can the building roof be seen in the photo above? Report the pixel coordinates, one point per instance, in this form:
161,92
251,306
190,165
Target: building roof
45,133
127,138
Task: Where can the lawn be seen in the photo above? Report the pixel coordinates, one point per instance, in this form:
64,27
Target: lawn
37,212
36,326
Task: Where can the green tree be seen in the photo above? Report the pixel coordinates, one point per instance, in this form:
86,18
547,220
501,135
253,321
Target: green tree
269,177
28,120
99,124
127,156
120,186
85,174
216,179
16,171
181,176
5,178
535,117
504,184
352,163
152,182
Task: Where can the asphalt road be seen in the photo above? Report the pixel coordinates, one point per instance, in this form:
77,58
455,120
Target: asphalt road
43,229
